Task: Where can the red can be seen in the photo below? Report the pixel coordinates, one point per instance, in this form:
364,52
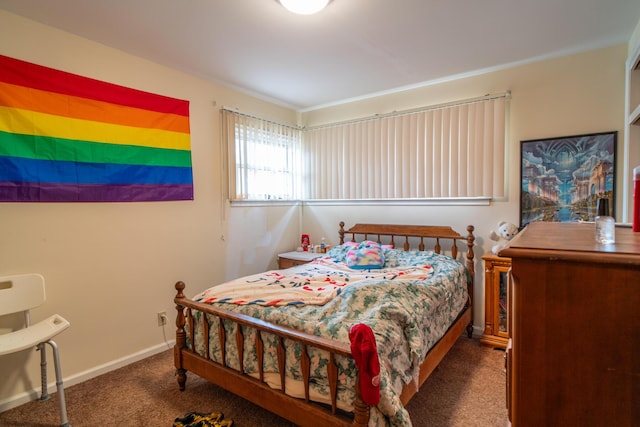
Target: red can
305,242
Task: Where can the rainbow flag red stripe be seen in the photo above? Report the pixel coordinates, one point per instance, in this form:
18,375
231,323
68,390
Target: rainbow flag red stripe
65,138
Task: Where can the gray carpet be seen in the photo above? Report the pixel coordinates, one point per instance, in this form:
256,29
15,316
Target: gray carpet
467,389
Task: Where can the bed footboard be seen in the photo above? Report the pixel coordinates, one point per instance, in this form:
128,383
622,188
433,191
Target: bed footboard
300,411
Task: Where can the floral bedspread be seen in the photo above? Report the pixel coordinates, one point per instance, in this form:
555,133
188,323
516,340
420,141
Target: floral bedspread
316,283
408,314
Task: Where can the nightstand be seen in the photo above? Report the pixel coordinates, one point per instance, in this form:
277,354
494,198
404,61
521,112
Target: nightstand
496,270
291,259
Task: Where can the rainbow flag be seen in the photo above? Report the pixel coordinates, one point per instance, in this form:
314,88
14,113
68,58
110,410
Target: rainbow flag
68,138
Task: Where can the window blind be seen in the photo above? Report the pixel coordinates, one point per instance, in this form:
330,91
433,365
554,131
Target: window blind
263,158
438,152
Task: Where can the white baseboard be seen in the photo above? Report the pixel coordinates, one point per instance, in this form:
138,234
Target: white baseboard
34,394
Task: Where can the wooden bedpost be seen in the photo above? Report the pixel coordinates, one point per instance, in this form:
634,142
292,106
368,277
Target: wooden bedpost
341,232
471,267
181,337
361,410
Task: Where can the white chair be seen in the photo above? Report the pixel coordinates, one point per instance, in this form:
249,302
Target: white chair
22,293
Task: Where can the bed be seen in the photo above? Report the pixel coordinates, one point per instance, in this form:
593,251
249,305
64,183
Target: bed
288,347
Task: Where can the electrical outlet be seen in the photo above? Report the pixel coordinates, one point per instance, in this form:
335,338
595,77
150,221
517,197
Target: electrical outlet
162,318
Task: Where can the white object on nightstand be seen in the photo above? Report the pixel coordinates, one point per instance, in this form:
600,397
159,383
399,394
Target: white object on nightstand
300,256
291,259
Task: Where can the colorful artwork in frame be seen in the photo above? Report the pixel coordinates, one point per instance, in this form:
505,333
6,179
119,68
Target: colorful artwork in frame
562,178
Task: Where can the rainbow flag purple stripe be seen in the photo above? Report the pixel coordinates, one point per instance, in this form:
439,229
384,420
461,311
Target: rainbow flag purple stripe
69,138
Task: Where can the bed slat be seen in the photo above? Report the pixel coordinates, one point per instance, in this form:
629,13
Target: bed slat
240,346
260,355
332,374
222,339
281,363
191,333
305,368
205,328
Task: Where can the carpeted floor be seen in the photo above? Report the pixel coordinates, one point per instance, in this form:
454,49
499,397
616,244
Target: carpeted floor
467,389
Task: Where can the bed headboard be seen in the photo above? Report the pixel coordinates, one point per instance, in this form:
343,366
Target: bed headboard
397,235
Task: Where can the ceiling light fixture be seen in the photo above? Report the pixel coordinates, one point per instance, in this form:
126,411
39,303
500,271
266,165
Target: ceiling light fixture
304,7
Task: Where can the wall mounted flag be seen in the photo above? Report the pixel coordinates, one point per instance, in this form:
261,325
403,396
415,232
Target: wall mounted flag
68,138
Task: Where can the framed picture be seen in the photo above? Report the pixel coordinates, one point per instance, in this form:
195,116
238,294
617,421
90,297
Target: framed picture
562,178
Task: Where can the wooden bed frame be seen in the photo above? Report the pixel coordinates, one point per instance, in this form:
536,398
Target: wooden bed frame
305,412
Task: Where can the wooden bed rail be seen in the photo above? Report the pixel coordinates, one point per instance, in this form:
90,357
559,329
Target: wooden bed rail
185,355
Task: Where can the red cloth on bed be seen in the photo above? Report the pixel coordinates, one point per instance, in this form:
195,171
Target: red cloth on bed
365,354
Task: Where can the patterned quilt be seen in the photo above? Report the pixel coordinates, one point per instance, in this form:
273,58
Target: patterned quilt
408,313
316,283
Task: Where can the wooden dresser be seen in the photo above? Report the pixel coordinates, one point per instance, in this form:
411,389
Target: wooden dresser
573,357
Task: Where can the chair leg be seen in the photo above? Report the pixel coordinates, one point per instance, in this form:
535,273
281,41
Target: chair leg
44,394
59,383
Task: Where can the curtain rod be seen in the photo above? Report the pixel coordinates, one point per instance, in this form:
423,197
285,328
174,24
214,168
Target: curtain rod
253,116
487,97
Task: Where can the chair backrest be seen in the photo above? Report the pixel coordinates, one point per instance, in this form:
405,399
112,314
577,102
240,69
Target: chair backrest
21,292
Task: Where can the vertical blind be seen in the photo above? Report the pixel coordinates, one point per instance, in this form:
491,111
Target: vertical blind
263,158
440,152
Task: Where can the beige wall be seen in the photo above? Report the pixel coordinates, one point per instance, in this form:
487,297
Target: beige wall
111,267
571,95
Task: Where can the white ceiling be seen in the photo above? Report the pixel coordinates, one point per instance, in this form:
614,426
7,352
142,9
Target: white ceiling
352,49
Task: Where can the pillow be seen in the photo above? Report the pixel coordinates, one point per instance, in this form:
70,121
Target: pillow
367,255
397,257
339,253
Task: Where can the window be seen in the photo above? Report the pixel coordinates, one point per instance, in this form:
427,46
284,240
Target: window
263,158
443,152
451,151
